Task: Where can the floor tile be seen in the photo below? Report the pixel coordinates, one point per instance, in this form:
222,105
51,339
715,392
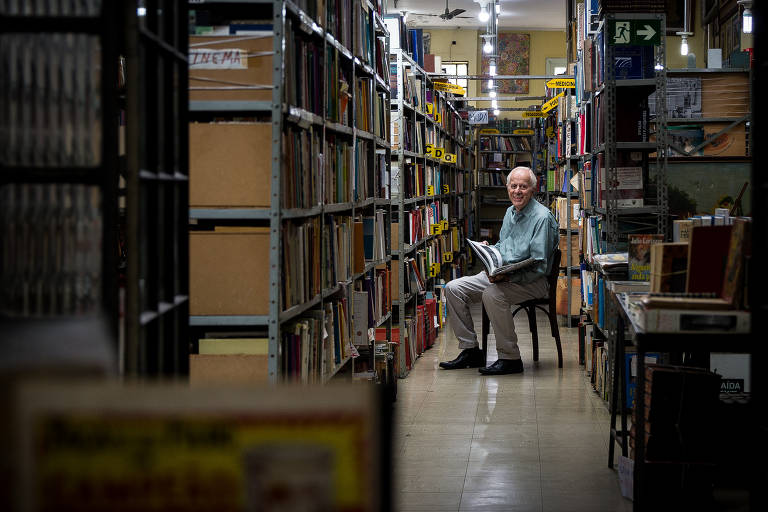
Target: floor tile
427,501
511,500
531,442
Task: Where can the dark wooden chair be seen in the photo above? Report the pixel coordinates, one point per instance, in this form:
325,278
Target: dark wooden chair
546,304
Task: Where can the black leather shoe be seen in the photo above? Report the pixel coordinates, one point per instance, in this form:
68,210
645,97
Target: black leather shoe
503,367
468,358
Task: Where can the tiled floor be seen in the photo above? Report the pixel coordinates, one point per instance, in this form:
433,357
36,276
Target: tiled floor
536,441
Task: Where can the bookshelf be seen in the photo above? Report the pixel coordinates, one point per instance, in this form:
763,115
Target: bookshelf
620,161
59,169
157,190
308,253
430,193
564,157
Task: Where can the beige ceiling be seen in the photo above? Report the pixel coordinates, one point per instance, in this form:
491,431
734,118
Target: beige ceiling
515,14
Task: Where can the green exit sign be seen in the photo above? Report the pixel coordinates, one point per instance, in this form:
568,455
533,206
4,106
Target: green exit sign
634,32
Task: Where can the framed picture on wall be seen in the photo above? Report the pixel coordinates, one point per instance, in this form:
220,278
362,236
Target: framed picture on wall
676,11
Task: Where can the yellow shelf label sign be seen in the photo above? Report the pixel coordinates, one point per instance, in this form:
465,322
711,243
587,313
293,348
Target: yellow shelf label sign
447,257
489,131
523,131
438,117
550,132
449,87
430,190
430,149
533,113
446,189
430,108
552,103
450,158
438,153
434,269
444,222
435,229
568,83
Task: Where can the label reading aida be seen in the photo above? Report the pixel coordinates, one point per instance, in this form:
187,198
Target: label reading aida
731,385
210,58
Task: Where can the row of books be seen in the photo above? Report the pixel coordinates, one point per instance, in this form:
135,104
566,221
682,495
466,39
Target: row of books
370,303
364,33
492,179
52,250
504,161
303,71
338,78
301,168
500,143
419,334
338,21
411,41
341,166
631,172
301,266
51,111
337,249
345,245
316,344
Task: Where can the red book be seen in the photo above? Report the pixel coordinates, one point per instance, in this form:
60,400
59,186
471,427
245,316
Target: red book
707,256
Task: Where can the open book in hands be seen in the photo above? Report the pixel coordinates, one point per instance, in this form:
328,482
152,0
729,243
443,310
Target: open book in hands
491,258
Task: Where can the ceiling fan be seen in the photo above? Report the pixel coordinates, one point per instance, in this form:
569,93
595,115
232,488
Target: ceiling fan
447,15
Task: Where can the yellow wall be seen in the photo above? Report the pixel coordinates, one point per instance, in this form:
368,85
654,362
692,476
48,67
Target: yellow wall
465,49
544,44
696,44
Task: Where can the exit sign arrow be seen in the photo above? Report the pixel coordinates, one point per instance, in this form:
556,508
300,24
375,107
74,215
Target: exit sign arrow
648,32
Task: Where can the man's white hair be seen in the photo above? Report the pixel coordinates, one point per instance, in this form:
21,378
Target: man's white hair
531,176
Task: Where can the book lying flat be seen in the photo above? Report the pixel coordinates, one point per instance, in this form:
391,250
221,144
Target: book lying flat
491,258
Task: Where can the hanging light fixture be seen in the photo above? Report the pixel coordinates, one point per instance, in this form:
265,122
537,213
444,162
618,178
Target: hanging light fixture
746,16
490,83
498,7
487,47
496,112
492,93
492,67
684,42
483,15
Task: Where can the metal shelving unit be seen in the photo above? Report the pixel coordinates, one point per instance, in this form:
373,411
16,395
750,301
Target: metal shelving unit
157,155
284,116
452,175
60,181
612,145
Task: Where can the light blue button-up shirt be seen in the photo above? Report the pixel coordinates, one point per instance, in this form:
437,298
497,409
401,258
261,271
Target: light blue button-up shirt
531,233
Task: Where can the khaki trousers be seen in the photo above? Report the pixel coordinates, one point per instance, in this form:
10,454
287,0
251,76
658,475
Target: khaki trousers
498,299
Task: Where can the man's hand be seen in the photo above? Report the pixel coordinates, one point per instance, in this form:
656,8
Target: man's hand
485,242
494,279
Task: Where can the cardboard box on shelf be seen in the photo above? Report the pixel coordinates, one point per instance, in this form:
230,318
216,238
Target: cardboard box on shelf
227,369
725,95
562,295
228,271
228,166
232,67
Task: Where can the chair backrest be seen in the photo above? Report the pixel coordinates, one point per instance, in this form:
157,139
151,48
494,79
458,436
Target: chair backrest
554,271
